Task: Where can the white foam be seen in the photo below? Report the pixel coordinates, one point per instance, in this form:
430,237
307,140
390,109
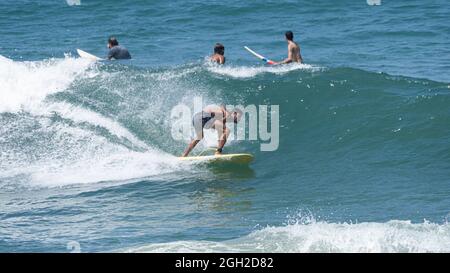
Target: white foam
81,115
23,85
392,236
118,166
75,154
251,71
79,156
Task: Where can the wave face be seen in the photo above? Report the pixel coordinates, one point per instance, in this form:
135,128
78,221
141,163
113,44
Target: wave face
71,113
87,153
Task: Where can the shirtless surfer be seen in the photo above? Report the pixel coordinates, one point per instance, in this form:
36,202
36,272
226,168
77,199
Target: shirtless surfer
213,117
293,50
219,52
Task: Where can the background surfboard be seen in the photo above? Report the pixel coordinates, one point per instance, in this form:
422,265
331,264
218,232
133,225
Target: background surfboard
84,54
259,56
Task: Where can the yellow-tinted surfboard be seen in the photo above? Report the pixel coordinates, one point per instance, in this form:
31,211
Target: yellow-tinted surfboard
224,158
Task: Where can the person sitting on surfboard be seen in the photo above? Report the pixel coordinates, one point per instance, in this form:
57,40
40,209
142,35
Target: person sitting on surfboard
293,50
219,52
116,51
213,117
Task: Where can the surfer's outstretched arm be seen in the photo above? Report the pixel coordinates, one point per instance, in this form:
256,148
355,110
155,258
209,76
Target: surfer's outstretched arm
190,147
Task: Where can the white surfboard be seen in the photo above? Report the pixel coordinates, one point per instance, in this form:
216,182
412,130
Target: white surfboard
84,54
5,59
259,56
242,159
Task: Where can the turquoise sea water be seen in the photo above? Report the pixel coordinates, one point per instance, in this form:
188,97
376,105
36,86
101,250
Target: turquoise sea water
87,157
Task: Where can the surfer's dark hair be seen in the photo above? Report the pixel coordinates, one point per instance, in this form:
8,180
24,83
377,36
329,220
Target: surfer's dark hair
113,41
219,49
289,35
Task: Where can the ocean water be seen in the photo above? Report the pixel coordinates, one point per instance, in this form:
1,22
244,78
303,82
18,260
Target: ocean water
88,162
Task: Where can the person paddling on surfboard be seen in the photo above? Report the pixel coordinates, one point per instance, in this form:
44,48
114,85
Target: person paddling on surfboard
116,51
213,117
219,52
293,50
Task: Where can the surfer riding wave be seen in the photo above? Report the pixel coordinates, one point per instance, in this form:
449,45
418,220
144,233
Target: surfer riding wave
213,117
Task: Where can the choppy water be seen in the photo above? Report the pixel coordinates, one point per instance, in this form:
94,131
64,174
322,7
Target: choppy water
86,152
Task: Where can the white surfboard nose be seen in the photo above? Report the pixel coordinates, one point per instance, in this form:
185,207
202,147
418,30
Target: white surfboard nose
85,55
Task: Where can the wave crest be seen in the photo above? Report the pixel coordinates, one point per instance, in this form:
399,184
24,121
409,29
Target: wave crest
393,236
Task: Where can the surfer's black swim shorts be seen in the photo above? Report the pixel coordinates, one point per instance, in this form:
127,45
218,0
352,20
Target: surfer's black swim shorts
202,120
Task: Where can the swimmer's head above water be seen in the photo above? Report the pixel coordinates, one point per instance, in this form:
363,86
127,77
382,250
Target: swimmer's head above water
219,49
112,42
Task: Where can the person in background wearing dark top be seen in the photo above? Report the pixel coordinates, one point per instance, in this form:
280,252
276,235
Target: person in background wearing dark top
219,52
116,51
